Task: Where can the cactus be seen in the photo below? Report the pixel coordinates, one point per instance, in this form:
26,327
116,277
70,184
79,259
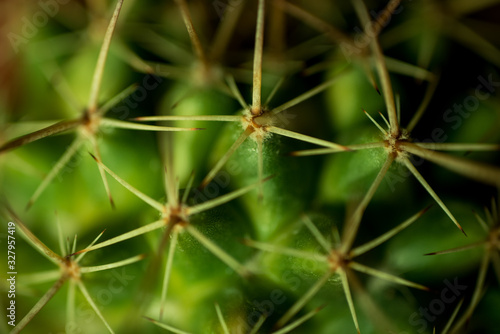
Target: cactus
259,166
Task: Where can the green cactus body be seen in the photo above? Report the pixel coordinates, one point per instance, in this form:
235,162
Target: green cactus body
327,160
188,100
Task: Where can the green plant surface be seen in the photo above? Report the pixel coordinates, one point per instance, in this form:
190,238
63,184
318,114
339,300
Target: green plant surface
269,166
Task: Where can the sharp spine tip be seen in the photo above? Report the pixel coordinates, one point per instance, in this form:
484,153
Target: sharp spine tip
94,157
268,178
245,241
319,308
148,318
112,202
425,210
77,253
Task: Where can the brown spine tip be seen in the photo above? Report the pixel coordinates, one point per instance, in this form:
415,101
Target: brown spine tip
434,292
78,253
345,148
425,210
149,319
174,105
94,157
268,178
246,241
203,184
319,308
29,205
112,202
